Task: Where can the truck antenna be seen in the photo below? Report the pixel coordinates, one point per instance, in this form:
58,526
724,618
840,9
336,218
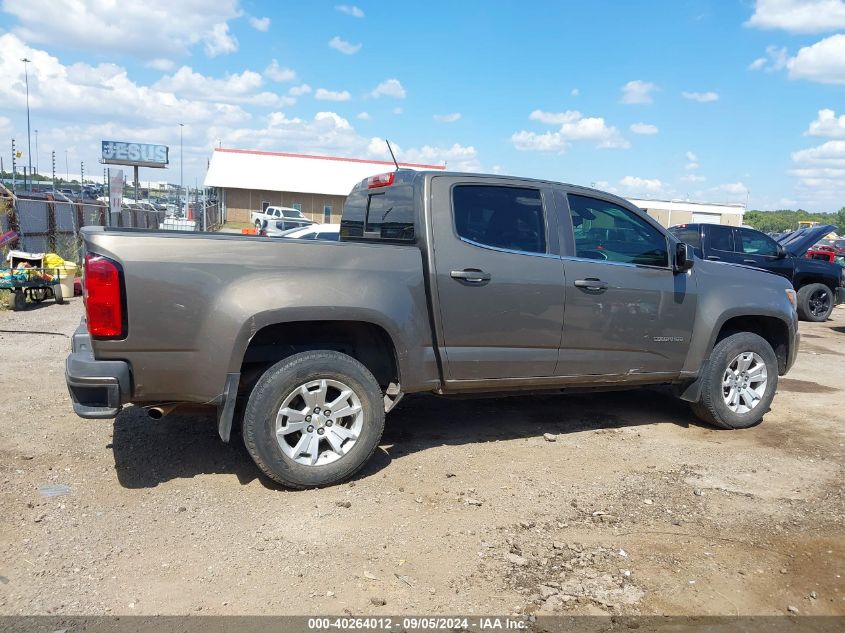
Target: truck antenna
392,155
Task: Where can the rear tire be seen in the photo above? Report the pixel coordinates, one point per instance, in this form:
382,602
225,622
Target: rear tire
815,302
318,450
739,382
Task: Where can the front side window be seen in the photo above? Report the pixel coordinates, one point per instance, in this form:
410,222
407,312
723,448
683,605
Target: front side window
756,243
607,232
503,217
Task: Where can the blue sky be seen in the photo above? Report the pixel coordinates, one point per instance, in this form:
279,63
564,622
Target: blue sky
716,100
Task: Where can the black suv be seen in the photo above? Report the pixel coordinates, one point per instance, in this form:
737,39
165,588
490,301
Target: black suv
820,285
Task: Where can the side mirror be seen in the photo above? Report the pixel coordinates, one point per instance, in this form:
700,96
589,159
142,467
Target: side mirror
781,252
684,257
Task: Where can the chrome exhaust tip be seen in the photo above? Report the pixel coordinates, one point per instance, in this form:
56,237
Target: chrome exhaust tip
157,413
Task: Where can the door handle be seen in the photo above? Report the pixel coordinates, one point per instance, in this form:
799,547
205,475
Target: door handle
748,261
591,284
714,258
471,276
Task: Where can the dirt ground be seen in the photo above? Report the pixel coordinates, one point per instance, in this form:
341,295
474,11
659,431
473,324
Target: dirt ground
466,508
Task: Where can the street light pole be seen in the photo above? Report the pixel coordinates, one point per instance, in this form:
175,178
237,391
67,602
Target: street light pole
28,139
181,167
36,151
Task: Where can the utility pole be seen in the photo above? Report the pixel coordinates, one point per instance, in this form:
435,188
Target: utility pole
67,170
81,175
36,151
28,139
14,167
53,154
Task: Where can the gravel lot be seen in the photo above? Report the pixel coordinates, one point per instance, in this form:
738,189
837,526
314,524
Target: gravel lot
468,507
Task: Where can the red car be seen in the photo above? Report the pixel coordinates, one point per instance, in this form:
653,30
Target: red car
836,246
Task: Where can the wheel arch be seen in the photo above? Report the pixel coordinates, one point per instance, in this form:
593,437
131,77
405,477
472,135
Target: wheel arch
774,329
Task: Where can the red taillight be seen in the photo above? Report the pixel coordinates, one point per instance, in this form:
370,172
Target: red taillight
103,297
382,180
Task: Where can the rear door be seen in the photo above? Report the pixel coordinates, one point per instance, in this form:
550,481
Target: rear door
719,244
498,277
627,312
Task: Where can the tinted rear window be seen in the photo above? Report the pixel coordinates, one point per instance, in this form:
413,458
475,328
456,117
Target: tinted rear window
688,234
387,213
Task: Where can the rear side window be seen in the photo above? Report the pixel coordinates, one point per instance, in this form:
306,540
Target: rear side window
756,243
503,217
720,238
386,213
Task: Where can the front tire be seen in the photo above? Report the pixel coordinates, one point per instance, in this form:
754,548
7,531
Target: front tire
739,382
287,429
815,302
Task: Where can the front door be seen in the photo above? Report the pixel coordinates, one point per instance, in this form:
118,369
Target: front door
498,278
627,312
759,250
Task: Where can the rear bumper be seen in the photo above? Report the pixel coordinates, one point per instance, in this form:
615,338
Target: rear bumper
98,388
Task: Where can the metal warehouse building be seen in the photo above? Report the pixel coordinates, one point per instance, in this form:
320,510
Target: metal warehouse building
251,180
673,212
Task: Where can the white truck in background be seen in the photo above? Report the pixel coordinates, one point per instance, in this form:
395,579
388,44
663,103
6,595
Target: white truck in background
281,218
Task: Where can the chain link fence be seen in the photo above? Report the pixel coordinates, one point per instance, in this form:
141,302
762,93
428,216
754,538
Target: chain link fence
49,223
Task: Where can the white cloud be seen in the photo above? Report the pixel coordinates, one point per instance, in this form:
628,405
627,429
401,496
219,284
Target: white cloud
573,127
692,161
364,116
693,178
826,124
350,9
342,46
799,16
398,110
237,88
447,118
555,118
389,88
733,188
829,154
635,184
776,58
5,124
160,63
329,95
298,91
644,128
575,92
279,73
638,91
701,97
84,93
148,30
260,24
823,62
691,156
456,157
219,41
